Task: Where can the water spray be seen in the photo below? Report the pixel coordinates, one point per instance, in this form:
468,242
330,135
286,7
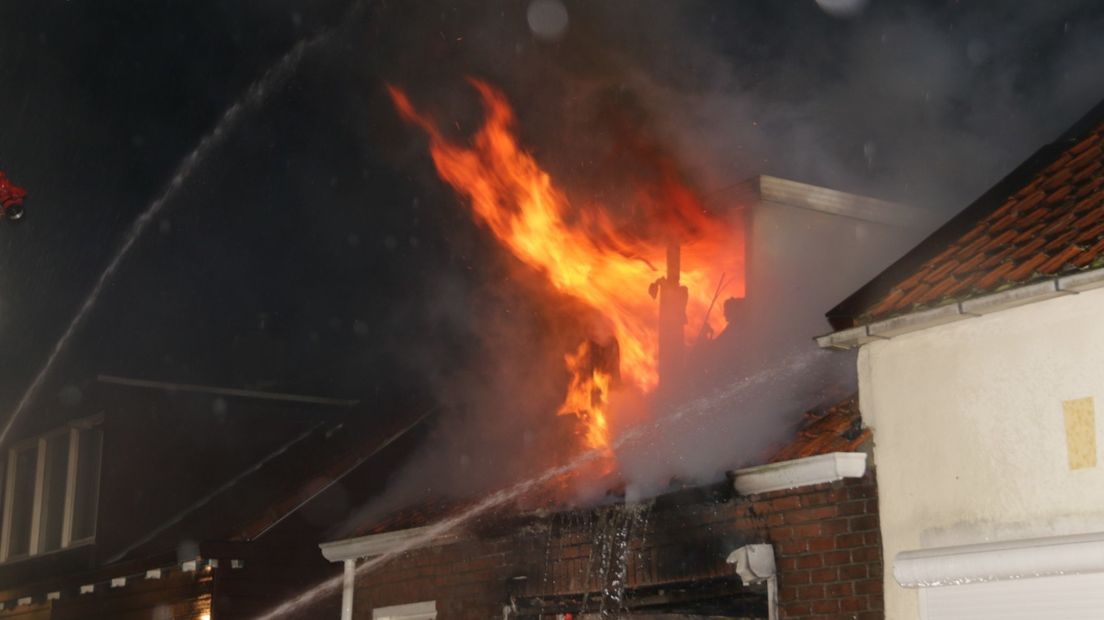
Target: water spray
253,97
701,406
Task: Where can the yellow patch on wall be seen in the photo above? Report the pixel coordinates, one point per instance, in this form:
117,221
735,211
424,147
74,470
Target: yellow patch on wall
1080,432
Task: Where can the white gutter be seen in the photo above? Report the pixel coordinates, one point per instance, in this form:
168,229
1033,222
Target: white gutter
755,564
998,561
800,472
376,544
978,306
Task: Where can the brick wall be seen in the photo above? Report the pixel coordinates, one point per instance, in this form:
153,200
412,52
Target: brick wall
826,541
828,549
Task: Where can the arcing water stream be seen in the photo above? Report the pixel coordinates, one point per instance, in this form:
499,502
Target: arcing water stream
256,94
711,404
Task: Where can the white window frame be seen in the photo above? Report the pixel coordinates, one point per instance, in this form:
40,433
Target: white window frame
425,610
38,444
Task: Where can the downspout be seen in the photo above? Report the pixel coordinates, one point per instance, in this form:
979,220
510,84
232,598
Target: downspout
755,564
348,580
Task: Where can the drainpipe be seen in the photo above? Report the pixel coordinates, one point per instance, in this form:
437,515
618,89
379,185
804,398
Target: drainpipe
755,564
347,582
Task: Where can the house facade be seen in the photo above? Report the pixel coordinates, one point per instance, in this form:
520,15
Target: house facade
796,538
140,500
980,357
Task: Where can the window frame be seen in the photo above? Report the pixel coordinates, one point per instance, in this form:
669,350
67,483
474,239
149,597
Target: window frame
423,610
7,499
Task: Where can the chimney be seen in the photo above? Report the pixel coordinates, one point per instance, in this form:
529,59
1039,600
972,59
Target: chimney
672,319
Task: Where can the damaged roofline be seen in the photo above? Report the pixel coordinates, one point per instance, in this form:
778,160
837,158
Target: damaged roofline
957,311
790,474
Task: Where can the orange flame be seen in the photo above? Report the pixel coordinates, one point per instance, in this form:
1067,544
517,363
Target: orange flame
581,252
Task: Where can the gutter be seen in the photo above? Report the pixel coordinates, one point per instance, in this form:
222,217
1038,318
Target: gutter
957,311
799,472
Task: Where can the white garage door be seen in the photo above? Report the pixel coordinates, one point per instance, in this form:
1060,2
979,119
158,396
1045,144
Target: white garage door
1066,597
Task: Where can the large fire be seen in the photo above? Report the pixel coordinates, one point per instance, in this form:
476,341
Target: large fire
585,253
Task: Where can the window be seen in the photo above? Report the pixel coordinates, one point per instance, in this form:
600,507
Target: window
51,487
413,611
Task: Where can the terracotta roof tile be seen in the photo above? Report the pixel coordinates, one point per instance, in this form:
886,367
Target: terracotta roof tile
1060,242
911,296
1058,195
1091,234
1093,138
888,304
1057,225
964,284
942,272
1002,254
1088,171
1025,269
1053,222
937,292
1087,157
1090,255
999,241
995,276
1059,260
1057,180
971,264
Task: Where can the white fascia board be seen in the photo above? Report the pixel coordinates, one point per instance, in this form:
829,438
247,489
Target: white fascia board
846,338
1013,297
998,561
374,544
800,472
917,320
1084,281
816,198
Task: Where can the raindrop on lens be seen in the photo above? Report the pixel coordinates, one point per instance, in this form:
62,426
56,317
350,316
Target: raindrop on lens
842,8
547,19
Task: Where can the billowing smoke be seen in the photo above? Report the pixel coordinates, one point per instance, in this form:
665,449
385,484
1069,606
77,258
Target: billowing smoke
917,103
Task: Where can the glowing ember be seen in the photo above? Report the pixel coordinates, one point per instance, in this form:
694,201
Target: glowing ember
583,252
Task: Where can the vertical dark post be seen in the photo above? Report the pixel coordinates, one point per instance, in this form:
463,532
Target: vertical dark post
672,319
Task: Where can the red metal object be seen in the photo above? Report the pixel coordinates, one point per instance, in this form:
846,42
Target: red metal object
11,198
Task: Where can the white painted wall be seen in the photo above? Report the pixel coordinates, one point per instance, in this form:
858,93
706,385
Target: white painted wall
969,432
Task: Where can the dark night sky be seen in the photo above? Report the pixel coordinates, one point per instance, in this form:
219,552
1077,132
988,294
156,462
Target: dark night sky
315,252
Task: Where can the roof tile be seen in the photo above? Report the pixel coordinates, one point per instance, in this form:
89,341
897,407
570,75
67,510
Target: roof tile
1089,255
1025,269
1059,260
995,276
911,296
963,285
1093,138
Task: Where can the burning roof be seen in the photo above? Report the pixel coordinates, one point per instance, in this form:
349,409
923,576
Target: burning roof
606,259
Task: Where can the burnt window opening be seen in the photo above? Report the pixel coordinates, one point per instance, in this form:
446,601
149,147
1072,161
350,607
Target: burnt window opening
49,487
725,597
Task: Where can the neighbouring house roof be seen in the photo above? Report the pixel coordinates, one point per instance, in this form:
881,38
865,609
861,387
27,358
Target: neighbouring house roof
1044,220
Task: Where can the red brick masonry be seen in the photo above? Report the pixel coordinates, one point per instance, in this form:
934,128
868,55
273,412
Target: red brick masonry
826,540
